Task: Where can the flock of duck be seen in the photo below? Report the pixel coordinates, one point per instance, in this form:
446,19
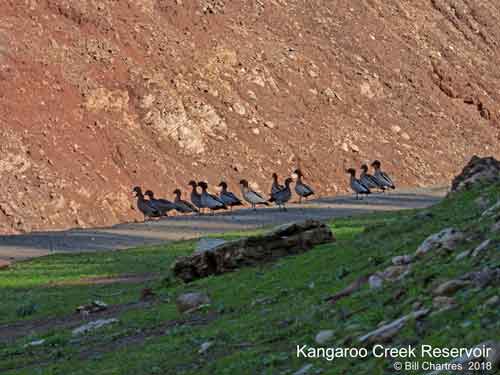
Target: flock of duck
280,194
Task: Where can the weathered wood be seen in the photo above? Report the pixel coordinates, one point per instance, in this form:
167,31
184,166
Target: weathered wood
285,240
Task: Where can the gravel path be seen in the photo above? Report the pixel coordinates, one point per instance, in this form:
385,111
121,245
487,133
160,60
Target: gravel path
184,227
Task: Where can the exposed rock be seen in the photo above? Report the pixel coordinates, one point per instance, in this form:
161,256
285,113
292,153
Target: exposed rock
208,244
487,276
486,170
388,331
464,254
304,370
450,287
91,308
492,210
443,303
285,240
324,336
402,260
350,289
92,326
188,302
493,301
481,248
446,239
4,264
395,273
205,346
376,281
35,343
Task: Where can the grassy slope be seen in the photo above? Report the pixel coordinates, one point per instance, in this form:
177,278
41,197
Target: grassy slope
262,312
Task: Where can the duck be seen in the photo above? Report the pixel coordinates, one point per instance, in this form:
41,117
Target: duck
302,190
251,196
281,197
181,205
209,200
381,177
228,198
275,187
195,196
147,209
368,180
356,185
162,205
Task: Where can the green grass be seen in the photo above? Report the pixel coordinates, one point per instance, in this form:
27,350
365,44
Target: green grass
261,313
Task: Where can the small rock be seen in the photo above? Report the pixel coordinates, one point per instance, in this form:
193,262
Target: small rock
191,301
205,346
447,239
344,147
405,136
490,211
92,326
388,331
269,124
450,287
402,260
323,336
394,273
481,248
35,343
375,281
303,370
493,301
354,148
256,131
395,129
463,255
443,303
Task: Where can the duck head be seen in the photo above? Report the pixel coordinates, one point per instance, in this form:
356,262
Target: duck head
137,190
275,177
193,184
364,168
223,185
203,185
177,192
298,172
376,164
149,194
351,171
288,181
244,183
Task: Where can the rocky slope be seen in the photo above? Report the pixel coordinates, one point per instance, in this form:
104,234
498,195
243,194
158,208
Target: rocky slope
97,96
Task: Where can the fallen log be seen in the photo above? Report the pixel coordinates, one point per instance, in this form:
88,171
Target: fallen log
288,239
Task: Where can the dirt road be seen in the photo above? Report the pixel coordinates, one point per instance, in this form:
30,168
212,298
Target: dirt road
184,227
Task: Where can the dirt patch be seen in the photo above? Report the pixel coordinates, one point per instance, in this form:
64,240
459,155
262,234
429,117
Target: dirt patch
12,332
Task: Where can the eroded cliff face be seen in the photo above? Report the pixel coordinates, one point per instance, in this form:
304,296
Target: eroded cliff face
98,96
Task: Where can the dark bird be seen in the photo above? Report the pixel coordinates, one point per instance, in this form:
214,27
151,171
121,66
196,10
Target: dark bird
209,200
368,180
195,196
275,187
147,209
228,198
356,185
381,177
181,205
162,205
251,196
281,197
302,190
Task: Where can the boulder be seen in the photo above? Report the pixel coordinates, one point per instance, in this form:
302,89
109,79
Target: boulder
191,301
324,336
289,239
92,326
486,170
4,264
